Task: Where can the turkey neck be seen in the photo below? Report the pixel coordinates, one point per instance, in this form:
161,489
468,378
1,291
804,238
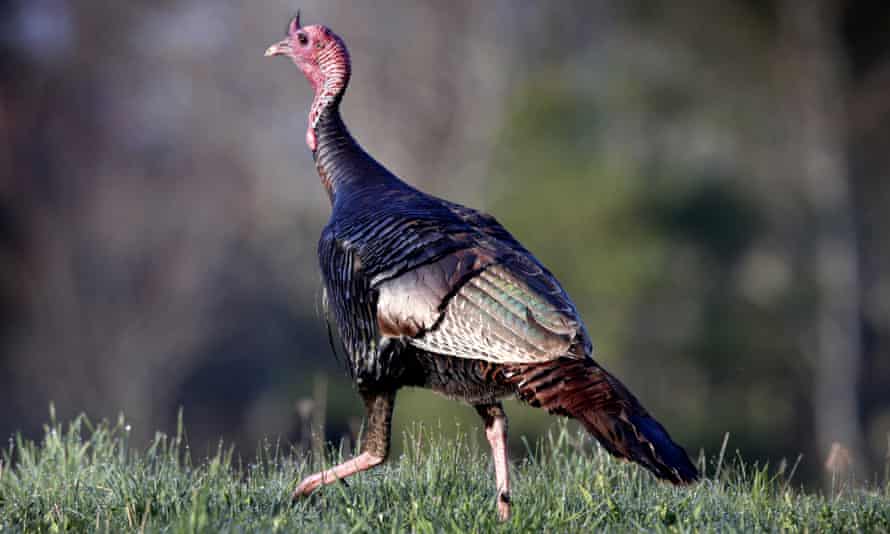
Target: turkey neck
346,170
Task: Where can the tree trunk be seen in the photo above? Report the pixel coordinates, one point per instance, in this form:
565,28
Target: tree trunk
815,71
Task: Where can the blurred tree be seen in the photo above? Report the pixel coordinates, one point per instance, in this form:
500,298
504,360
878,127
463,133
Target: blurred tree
868,113
815,70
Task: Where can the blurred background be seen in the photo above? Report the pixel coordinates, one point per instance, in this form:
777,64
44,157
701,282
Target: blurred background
708,179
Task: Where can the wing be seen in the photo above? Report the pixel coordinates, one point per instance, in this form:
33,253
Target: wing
486,225
349,297
490,301
360,249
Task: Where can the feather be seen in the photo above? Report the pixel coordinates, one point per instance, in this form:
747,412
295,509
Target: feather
585,391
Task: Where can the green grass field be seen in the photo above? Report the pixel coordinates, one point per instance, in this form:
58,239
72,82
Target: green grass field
85,478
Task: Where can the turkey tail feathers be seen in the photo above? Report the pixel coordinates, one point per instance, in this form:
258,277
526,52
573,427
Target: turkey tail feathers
672,462
584,391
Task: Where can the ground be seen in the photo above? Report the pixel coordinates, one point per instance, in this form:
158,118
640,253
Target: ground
86,478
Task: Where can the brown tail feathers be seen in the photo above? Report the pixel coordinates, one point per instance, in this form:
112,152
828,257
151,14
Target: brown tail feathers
585,391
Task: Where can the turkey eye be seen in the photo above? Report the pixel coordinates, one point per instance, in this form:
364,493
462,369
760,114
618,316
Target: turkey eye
301,37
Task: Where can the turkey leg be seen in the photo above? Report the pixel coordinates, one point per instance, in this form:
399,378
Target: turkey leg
375,445
496,431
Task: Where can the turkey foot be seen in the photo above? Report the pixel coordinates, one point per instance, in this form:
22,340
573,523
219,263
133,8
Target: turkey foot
375,446
360,463
495,420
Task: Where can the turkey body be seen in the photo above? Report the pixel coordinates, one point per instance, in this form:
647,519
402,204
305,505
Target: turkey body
429,293
414,282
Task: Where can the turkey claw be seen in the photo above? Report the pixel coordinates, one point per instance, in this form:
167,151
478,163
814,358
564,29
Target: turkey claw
503,506
307,486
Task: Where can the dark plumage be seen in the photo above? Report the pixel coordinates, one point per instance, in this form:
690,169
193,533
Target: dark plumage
432,294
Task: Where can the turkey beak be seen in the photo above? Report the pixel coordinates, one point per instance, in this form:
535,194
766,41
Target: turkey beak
278,49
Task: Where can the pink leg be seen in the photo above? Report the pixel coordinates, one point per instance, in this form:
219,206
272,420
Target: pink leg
496,431
375,446
362,462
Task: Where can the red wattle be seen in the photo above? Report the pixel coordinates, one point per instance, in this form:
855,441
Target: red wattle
311,141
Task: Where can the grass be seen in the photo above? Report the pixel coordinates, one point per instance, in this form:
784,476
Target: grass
86,478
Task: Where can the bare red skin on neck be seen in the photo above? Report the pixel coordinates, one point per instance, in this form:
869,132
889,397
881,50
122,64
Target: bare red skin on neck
312,73
311,139
322,57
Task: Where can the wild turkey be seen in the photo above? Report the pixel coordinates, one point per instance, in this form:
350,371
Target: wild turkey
432,294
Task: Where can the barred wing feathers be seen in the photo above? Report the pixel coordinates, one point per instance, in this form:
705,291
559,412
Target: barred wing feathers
490,301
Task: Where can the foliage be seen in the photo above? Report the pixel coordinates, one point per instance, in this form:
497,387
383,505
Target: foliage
86,477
